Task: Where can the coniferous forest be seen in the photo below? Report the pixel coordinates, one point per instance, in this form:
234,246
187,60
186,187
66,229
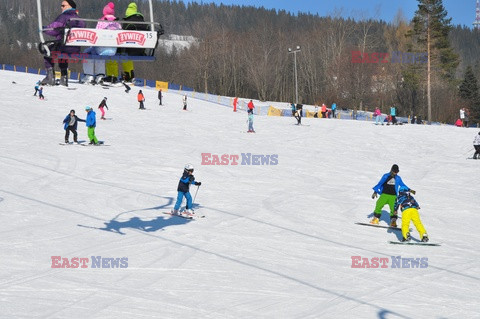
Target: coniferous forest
243,51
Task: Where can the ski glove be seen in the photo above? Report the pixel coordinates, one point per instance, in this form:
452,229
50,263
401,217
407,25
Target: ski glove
374,195
198,183
413,192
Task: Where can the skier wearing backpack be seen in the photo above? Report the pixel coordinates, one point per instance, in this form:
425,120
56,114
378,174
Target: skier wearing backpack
388,188
409,208
183,190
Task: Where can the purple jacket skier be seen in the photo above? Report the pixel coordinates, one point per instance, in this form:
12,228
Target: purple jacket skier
56,29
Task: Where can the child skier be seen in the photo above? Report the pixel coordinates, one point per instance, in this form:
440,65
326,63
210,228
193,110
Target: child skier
40,93
185,102
250,122
91,124
476,144
141,99
388,188
184,190
101,106
409,208
70,125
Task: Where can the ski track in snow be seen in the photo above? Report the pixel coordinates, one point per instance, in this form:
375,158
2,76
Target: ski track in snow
277,240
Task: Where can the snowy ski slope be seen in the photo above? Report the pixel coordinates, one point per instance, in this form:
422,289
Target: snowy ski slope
277,240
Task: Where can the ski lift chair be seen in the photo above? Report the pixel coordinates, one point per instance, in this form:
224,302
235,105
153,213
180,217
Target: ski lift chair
91,37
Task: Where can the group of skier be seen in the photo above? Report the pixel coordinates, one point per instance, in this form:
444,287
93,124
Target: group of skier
398,196
71,120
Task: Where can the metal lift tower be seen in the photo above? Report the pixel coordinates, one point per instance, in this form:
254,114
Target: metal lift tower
476,23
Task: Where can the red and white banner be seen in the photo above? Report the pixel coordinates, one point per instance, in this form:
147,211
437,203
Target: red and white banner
111,38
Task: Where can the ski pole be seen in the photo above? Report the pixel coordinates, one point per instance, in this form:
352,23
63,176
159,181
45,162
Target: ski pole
195,195
469,151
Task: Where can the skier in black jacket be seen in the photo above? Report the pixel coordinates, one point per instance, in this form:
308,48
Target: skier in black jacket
70,125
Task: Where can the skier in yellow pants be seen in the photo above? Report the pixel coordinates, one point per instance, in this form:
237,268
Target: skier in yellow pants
409,208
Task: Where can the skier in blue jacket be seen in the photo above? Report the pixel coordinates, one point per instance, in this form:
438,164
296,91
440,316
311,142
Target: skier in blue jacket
184,190
70,125
388,188
91,124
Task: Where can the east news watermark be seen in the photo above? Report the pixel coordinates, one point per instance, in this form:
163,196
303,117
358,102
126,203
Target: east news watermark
385,262
239,159
85,262
397,57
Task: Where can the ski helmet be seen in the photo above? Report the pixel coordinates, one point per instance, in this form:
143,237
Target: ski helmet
189,167
88,108
395,168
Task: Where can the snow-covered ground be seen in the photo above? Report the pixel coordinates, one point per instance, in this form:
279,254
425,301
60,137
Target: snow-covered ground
277,240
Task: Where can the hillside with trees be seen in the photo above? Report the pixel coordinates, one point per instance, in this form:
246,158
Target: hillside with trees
242,51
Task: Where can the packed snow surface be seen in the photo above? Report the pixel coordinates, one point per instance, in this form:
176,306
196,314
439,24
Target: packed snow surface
277,240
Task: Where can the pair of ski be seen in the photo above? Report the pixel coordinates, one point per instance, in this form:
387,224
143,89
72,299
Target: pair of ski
399,242
182,215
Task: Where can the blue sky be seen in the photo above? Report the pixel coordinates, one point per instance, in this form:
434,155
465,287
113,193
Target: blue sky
461,11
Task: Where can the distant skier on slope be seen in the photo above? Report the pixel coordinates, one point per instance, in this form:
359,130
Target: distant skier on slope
183,190
388,188
250,122
476,145
101,106
37,86
70,125
40,93
250,106
298,113
184,99
141,99
409,208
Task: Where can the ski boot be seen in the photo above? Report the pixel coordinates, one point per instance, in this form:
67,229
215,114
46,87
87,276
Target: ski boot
189,212
408,238
393,221
50,78
174,212
374,221
425,238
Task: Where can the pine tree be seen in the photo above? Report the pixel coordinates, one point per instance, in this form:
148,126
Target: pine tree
430,31
468,91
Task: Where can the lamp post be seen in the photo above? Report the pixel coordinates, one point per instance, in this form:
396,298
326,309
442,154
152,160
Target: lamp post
297,49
